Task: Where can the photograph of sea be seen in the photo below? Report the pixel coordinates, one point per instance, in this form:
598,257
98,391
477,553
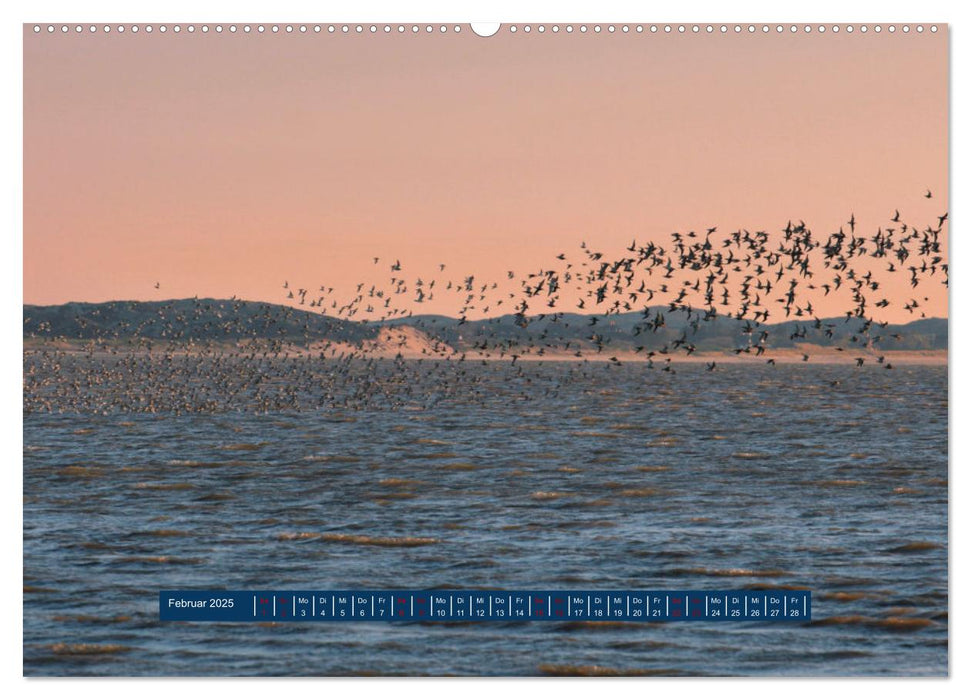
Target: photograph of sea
550,307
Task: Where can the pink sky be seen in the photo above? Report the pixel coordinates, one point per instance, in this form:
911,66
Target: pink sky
226,164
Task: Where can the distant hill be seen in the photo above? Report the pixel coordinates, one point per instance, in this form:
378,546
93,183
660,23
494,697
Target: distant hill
633,330
230,320
182,319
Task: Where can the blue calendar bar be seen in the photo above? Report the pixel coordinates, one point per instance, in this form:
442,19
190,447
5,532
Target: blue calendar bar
484,606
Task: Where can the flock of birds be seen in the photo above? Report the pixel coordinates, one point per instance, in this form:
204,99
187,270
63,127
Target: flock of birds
376,350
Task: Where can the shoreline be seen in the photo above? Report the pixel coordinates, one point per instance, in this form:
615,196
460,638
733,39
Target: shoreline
817,355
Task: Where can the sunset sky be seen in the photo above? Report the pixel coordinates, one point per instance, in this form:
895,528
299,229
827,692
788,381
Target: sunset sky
222,164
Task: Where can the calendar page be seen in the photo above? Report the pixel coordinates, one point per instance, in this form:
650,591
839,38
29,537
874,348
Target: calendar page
517,349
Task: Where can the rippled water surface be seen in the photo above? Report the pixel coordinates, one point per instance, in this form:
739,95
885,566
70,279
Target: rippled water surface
823,477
